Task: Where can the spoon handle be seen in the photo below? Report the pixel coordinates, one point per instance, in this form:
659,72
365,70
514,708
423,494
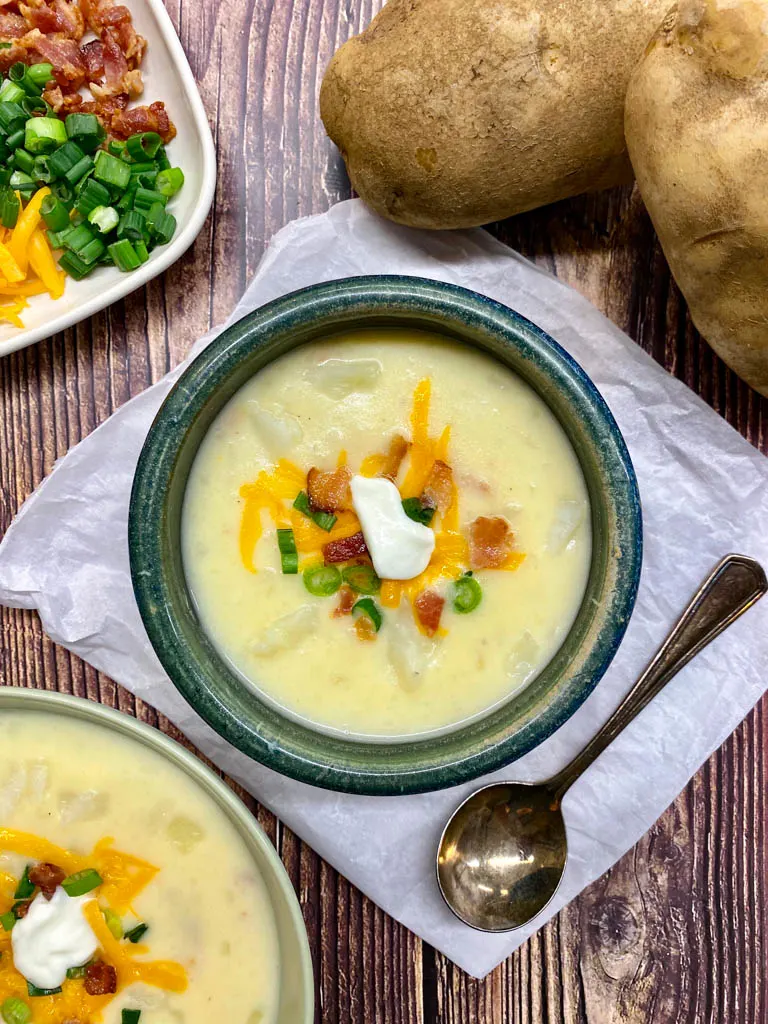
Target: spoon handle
735,585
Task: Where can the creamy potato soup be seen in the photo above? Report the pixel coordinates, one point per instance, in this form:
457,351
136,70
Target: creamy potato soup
126,896
386,533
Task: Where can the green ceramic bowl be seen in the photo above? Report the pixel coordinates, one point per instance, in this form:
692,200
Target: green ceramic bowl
297,993
201,674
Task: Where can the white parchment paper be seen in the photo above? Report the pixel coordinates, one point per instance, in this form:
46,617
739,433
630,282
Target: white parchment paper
705,493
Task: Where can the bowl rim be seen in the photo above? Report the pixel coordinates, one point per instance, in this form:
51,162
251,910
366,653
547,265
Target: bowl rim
154,472
53,702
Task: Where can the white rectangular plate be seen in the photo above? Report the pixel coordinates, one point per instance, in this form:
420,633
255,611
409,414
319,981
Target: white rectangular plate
167,77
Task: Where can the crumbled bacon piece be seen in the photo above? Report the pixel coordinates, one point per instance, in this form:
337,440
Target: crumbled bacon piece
64,56
429,607
489,542
21,909
47,877
93,58
345,549
346,603
398,449
12,26
143,119
438,490
102,14
364,628
60,18
100,979
328,492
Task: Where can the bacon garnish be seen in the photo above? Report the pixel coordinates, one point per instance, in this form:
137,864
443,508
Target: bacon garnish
93,58
61,18
143,119
328,492
47,877
438,490
346,603
345,549
64,56
429,607
100,979
490,539
398,449
12,26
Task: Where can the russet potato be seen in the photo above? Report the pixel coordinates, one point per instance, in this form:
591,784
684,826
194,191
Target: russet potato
454,113
697,129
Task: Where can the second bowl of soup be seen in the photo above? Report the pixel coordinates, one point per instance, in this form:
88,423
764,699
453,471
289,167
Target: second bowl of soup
385,535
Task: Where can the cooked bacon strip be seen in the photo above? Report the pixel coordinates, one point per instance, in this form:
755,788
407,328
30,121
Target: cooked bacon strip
398,449
47,877
100,979
328,492
64,55
345,549
490,540
93,58
429,607
143,119
346,603
438,490
131,43
60,18
12,26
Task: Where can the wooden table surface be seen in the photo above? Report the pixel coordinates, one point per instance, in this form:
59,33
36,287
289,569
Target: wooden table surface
677,931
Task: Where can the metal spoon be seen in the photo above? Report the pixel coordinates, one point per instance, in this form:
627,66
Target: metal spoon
503,853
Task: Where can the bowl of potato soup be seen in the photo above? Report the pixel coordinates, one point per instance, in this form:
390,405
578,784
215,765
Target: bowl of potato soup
135,888
385,535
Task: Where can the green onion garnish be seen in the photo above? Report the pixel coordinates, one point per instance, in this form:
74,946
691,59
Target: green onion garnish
141,250
11,92
23,160
15,1011
124,255
132,226
322,580
130,1016
54,213
111,172
12,117
414,509
22,183
73,973
325,520
74,266
144,146
64,159
91,194
81,882
137,934
8,920
161,225
169,182
9,207
25,888
467,594
39,74
15,140
289,557
81,169
44,134
365,606
34,991
42,170
105,218
362,579
113,922
86,130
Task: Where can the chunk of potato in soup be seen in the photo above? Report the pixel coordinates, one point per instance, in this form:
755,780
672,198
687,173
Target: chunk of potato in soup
77,786
356,401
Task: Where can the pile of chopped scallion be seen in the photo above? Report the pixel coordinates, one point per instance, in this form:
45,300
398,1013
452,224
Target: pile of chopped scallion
107,199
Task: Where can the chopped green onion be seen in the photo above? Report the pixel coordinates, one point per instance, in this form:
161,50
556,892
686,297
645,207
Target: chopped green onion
15,1011
44,134
289,557
130,1016
325,520
63,191
79,171
140,168
33,990
419,513
141,250
92,251
113,922
125,202
9,207
365,606
105,218
467,594
78,238
91,195
86,130
322,580
15,140
169,181
115,147
137,934
81,882
162,161
11,92
65,158
40,74
73,973
132,226
17,71
111,172
25,888
8,920
54,213
143,179
124,255
74,266
362,579
146,198
56,238
23,160
162,225
12,117
35,105
21,181
42,170
141,147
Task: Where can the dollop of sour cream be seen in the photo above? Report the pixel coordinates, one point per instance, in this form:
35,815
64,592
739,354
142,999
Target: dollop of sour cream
51,938
400,548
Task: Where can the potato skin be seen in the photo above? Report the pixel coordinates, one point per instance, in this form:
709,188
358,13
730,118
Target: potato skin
455,113
697,130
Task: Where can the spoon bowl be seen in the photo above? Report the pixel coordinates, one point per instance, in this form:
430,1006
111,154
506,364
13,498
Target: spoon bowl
520,830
